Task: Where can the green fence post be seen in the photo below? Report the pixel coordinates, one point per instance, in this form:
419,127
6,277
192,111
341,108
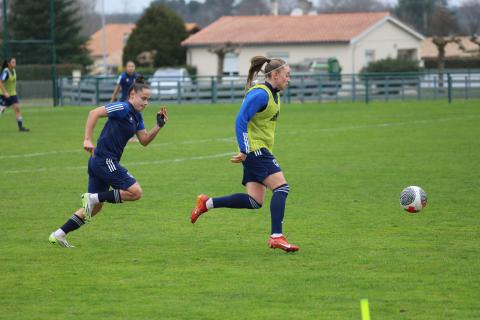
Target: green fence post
466,88
449,79
419,88
214,90
97,89
354,88
320,89
179,92
367,98
60,90
302,91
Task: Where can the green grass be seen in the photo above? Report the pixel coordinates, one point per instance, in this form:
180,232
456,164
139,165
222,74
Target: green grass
346,165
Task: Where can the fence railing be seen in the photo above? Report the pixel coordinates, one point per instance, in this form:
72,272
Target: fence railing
302,88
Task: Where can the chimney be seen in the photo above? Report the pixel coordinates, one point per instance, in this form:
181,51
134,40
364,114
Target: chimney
274,5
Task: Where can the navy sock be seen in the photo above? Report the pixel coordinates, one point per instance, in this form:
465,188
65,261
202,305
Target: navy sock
112,196
20,122
277,207
237,201
72,224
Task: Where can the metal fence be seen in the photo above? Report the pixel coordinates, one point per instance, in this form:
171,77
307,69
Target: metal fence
303,88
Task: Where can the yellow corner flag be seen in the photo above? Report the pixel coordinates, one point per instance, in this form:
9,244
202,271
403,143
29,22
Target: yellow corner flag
365,309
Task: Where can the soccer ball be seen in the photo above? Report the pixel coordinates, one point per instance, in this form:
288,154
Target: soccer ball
413,199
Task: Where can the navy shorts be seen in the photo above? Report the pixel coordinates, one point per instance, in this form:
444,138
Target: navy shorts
7,102
106,173
258,166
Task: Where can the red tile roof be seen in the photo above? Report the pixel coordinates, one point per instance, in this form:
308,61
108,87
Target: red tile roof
115,35
334,27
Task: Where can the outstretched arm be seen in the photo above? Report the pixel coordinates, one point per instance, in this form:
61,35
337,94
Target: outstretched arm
145,137
93,116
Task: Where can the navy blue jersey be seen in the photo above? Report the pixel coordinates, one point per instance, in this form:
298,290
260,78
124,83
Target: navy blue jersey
123,122
125,81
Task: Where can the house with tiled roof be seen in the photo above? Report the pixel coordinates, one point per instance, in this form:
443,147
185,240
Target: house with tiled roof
354,39
116,37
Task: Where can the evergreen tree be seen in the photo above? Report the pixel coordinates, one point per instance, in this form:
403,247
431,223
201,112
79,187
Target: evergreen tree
159,32
30,20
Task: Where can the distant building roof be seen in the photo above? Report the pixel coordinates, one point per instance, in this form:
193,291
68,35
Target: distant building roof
452,50
116,36
332,27
192,27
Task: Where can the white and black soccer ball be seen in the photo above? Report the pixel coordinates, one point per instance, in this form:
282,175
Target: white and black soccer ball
413,199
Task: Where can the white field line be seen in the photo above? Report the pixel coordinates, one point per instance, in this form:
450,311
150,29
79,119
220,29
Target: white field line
232,139
128,164
79,150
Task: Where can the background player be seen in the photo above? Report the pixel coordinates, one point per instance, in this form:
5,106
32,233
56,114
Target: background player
125,81
8,88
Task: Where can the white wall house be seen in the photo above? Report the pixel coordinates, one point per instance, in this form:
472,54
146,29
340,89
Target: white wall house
355,39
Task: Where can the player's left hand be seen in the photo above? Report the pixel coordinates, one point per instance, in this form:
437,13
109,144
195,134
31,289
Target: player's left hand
162,117
238,158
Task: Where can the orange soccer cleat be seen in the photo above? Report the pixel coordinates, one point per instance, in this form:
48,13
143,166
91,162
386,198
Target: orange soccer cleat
282,243
201,207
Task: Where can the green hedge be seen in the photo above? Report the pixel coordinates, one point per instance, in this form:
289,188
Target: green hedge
44,72
465,63
392,65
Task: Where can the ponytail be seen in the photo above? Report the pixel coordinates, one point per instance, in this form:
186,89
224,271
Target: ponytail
256,65
140,79
6,62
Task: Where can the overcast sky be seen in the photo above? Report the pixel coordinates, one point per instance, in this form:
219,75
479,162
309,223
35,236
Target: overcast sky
122,6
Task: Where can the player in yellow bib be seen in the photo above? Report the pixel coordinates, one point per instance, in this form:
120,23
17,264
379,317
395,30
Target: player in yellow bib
255,131
8,88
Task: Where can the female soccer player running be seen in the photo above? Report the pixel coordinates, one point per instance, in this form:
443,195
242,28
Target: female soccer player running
255,130
125,81
104,170
8,88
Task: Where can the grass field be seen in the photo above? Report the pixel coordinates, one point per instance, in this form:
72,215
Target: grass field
346,165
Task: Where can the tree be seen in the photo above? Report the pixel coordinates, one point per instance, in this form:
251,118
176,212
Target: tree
441,42
159,30
352,6
201,13
442,22
221,50
30,20
252,8
417,13
469,13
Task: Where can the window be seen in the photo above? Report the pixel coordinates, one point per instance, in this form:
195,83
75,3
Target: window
279,55
407,54
230,64
369,56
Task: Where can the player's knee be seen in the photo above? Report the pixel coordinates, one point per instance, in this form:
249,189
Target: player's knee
137,193
284,188
255,203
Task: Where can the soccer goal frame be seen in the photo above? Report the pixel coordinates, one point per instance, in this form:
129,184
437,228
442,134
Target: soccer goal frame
51,42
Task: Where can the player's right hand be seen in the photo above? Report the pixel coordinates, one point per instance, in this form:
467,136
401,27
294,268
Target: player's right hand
88,146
